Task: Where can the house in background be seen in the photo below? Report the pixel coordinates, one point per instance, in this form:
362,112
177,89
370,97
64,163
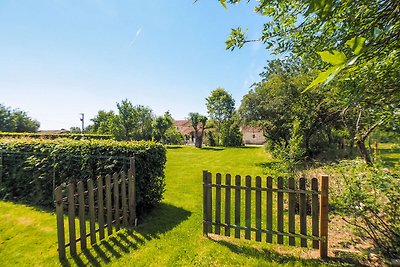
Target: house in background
253,136
186,129
62,131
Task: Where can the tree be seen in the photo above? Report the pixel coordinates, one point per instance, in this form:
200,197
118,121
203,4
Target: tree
198,123
221,107
282,110
75,130
102,122
131,122
136,122
16,121
161,126
354,42
350,36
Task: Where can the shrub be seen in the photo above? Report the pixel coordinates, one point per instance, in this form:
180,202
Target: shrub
370,197
31,168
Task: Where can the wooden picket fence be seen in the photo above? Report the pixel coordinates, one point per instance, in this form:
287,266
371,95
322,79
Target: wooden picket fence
279,204
111,203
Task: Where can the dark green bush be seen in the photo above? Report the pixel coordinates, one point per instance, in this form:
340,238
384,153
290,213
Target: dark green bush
31,168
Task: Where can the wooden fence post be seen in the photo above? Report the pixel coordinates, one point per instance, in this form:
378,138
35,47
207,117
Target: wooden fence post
81,214
205,188
60,222
218,204
209,202
228,204
323,247
71,218
132,192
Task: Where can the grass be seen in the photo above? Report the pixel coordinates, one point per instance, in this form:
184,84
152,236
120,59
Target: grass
170,235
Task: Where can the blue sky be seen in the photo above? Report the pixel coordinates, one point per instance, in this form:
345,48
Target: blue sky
60,58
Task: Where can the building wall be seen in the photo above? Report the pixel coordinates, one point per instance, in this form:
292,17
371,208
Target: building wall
253,136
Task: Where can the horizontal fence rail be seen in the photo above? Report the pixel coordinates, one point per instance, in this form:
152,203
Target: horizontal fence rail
288,212
106,202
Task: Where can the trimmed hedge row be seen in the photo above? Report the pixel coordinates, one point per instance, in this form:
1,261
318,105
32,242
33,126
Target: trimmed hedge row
56,136
30,168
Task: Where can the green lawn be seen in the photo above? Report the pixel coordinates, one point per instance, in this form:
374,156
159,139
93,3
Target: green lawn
171,235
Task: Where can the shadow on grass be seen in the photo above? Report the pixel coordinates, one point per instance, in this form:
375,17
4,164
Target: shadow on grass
173,147
161,219
273,256
270,164
213,148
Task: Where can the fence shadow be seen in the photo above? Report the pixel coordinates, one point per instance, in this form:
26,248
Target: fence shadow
161,219
273,256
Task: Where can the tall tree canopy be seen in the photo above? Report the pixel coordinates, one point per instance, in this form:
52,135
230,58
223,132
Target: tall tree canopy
357,38
221,107
198,123
15,120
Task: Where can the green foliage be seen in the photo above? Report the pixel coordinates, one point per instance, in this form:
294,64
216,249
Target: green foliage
16,121
55,136
198,123
231,135
278,106
131,122
30,168
221,108
358,38
371,197
164,130
211,139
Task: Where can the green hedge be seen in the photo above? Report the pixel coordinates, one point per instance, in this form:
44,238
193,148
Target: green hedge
30,168
56,136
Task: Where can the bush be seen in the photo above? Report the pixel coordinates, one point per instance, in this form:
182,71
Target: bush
370,197
31,168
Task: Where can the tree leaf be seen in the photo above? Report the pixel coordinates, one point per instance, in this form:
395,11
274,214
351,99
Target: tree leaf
223,3
333,57
324,77
356,44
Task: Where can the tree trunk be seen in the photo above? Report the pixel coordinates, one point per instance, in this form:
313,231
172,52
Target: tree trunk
364,152
198,142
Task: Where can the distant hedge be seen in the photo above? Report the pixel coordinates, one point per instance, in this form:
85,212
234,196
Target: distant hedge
56,136
30,168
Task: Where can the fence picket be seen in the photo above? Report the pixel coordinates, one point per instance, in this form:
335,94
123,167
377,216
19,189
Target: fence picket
116,200
269,209
205,204
209,203
303,212
237,206
132,192
123,199
218,204
228,205
91,212
60,222
108,204
315,212
258,208
280,210
292,211
100,204
71,218
248,207
323,218
82,222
